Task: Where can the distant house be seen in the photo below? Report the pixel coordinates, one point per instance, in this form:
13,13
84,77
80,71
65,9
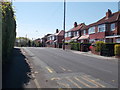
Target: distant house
74,33
55,40
44,39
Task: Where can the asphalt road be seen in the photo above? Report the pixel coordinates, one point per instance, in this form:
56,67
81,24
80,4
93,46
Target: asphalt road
73,70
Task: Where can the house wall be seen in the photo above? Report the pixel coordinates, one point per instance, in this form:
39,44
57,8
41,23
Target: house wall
99,35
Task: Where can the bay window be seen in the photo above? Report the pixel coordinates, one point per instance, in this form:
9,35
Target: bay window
91,30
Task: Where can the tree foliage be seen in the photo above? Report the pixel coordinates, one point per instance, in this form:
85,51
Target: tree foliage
8,29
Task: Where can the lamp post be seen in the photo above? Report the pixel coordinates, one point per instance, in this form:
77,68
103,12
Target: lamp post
64,24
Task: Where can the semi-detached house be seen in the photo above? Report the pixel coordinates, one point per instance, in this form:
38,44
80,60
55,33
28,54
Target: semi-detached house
55,40
106,29
74,33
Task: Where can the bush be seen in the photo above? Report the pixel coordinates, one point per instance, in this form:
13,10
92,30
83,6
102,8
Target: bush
108,50
117,50
99,46
75,46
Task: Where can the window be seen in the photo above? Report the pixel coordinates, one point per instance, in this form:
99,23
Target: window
101,28
66,34
112,27
118,40
84,32
69,34
91,30
77,33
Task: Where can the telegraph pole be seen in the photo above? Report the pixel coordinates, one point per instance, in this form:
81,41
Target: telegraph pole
64,24
119,6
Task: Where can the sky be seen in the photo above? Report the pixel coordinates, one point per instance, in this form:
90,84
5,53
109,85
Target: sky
36,19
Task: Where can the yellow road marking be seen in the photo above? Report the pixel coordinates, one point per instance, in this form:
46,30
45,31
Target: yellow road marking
93,81
55,78
82,82
66,85
74,83
62,68
36,82
49,70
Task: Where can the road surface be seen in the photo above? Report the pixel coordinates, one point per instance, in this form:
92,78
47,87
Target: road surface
66,69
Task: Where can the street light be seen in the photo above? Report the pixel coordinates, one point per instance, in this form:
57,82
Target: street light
64,24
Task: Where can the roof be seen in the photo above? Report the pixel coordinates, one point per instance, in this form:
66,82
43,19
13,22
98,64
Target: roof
77,28
60,33
114,17
84,37
74,38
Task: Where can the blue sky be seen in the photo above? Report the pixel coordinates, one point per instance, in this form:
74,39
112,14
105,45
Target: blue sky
39,18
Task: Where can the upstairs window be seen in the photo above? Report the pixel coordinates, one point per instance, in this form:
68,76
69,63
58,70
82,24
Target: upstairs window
69,34
91,30
101,28
77,33
66,34
84,32
112,27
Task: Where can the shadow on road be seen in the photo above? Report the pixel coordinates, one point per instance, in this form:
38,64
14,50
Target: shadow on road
15,72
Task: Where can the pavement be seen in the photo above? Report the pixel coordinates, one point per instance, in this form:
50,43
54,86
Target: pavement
15,73
37,67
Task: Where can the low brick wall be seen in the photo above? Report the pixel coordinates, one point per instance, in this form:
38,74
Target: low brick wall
68,47
94,51
50,45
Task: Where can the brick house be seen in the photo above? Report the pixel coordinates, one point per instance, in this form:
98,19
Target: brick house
44,39
74,33
106,29
55,40
84,38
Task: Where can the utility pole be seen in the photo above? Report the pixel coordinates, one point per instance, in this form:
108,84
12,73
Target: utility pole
64,24
119,6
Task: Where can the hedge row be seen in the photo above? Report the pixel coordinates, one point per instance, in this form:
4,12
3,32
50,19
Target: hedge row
107,49
8,30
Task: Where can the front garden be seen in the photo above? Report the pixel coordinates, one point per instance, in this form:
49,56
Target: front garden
99,48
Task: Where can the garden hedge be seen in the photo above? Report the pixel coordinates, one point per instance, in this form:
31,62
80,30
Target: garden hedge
117,50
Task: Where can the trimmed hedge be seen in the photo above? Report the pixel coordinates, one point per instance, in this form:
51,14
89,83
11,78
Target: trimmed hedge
75,46
108,50
117,50
8,30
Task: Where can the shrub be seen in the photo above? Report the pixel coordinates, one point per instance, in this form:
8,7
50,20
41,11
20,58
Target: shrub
75,46
99,46
117,49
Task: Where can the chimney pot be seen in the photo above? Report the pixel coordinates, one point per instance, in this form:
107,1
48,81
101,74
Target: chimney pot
75,24
108,14
57,30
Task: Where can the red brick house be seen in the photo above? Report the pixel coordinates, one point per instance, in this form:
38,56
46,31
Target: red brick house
84,38
74,33
106,29
55,40
44,39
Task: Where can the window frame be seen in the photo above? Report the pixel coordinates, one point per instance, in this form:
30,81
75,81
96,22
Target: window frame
101,26
111,29
92,28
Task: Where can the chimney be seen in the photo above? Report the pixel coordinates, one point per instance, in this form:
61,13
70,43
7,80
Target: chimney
75,24
57,30
108,14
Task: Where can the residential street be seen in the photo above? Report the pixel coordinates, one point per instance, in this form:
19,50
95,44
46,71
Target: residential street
58,68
